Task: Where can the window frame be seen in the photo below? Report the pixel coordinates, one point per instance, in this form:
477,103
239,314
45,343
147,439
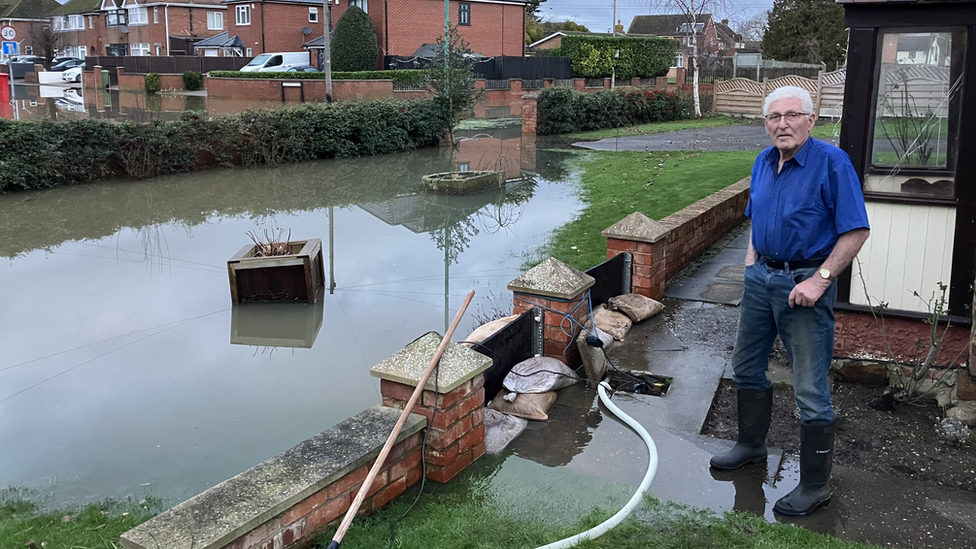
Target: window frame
121,18
361,4
313,14
242,13
138,47
142,16
464,8
215,16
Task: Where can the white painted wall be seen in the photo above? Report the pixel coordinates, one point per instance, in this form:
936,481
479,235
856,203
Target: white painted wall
910,250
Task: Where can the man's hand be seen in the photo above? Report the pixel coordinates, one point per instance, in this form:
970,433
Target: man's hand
806,293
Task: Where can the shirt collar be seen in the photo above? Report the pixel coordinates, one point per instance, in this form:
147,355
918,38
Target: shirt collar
800,156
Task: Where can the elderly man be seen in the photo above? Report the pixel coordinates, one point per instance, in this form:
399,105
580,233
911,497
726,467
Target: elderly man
808,223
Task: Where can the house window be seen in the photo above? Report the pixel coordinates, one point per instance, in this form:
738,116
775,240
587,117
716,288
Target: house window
29,50
464,14
117,50
82,52
215,20
248,53
155,15
464,166
361,4
59,23
313,15
138,16
115,18
158,48
917,110
139,49
243,15
76,22
90,22
679,61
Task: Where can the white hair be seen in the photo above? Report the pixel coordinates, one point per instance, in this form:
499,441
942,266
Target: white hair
786,92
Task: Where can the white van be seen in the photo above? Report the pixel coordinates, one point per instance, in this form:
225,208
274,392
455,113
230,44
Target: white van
277,61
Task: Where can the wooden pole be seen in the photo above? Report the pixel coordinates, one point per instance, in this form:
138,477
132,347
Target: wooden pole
375,469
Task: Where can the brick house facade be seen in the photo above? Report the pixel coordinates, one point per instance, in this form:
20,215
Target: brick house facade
130,27
713,36
26,17
491,27
274,25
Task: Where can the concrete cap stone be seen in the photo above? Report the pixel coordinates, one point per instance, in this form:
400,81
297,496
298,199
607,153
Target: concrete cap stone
637,227
552,278
458,364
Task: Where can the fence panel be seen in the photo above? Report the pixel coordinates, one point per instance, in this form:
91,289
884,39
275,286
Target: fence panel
832,93
612,278
506,348
745,96
738,96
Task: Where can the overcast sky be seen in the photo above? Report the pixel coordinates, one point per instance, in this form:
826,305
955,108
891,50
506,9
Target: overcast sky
597,15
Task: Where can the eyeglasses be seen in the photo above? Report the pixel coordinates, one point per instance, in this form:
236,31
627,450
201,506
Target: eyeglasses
790,117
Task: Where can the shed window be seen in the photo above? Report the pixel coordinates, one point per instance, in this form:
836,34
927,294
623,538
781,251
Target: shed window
916,113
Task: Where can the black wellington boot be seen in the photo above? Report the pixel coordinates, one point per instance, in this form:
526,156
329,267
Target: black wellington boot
755,408
816,457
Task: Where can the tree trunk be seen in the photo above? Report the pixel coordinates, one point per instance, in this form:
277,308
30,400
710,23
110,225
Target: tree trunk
694,62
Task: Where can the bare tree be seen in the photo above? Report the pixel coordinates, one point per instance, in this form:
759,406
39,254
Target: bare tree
692,11
45,40
754,27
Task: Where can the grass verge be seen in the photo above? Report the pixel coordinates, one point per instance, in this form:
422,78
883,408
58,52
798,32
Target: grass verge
96,526
462,515
658,127
657,184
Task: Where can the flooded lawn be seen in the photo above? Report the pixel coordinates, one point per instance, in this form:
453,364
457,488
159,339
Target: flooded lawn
127,371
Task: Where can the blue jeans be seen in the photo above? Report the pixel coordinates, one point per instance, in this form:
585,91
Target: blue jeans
807,333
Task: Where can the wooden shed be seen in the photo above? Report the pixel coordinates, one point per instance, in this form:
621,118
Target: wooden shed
909,126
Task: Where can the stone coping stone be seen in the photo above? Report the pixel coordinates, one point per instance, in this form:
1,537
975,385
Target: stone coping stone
637,227
553,278
458,364
229,510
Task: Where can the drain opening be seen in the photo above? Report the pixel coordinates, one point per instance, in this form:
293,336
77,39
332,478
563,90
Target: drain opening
639,382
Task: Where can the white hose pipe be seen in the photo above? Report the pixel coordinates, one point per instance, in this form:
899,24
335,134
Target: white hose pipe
635,500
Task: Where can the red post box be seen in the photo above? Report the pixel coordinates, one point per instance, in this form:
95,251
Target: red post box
5,110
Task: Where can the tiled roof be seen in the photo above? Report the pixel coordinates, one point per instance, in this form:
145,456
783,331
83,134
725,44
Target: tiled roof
78,6
27,9
664,25
302,2
222,40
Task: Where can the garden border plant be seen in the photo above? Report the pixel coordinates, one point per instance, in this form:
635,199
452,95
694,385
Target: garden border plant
44,154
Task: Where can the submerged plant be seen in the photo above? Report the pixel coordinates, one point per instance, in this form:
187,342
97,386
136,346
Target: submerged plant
272,245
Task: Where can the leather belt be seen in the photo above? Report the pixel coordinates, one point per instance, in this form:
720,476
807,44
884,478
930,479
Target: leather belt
790,265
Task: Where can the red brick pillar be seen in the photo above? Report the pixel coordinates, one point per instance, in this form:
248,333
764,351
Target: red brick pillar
635,82
530,111
661,83
561,291
456,413
515,86
607,83
679,76
548,82
579,84
647,241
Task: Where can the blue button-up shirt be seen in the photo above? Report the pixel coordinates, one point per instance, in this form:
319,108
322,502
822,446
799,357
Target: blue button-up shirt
799,214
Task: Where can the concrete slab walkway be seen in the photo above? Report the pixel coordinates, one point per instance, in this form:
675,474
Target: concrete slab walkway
692,342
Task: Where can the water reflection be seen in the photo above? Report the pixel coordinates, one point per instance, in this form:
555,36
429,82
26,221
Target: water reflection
118,376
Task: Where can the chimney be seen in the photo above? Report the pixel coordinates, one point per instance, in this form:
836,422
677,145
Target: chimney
725,21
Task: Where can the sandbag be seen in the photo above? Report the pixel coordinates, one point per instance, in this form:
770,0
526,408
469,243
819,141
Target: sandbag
529,406
637,307
501,429
486,330
538,374
614,323
594,358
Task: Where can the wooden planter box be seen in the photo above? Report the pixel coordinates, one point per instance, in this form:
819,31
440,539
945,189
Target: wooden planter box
294,277
462,182
276,324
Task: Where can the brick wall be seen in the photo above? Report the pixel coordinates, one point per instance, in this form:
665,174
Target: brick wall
859,335
496,29
558,333
270,90
491,154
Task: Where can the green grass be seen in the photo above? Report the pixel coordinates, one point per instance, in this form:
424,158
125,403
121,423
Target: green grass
825,131
96,526
657,184
657,127
462,515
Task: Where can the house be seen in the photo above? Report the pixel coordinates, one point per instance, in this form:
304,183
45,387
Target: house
221,45
491,27
130,27
27,18
274,25
713,36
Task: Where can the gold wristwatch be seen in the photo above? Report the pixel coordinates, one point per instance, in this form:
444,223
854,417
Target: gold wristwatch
825,274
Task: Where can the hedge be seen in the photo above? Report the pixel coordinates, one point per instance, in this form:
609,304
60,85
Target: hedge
404,77
42,154
354,46
564,110
593,56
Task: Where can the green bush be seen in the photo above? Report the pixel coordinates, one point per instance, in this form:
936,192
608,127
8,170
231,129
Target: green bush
564,110
354,46
40,154
594,56
192,80
152,83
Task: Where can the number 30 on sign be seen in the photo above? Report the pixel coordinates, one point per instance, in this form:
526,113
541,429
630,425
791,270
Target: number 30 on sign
8,33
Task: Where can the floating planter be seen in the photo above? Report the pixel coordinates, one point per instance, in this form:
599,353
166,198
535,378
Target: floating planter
296,275
463,182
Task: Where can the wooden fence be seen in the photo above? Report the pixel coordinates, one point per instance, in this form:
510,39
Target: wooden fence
744,97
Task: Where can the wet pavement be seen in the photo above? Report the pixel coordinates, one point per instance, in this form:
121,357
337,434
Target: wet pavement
692,342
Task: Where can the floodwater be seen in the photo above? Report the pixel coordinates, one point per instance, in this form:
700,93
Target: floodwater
125,369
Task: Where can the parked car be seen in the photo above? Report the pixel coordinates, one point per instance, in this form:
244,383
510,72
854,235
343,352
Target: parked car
72,75
33,59
67,64
304,68
277,61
